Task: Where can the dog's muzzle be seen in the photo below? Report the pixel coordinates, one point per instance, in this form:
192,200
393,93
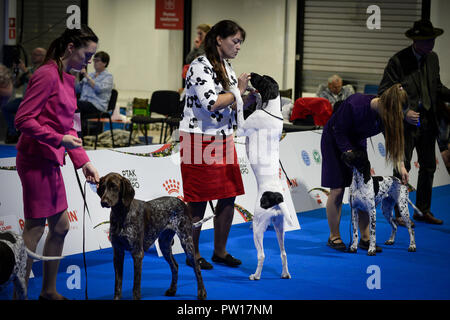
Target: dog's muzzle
104,204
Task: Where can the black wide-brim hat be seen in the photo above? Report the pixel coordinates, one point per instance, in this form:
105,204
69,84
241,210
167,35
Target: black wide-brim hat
423,30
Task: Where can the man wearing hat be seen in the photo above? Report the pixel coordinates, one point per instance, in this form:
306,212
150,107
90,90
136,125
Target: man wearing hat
417,69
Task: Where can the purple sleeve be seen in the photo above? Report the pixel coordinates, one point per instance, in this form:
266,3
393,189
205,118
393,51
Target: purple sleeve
77,155
38,92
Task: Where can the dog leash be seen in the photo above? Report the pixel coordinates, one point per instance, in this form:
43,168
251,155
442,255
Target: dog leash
272,114
202,221
85,207
284,171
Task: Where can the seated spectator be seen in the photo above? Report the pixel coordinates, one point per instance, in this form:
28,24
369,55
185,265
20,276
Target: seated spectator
25,73
335,91
95,89
6,85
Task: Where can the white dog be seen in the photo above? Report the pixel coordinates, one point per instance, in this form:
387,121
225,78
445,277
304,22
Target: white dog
13,261
263,130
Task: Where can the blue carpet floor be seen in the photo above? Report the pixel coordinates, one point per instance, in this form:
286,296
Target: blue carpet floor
318,272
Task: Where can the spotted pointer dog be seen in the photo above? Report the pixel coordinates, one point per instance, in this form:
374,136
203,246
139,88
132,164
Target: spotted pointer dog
135,225
367,192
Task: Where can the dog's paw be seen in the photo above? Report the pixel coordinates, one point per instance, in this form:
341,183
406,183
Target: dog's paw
389,242
412,249
352,250
201,295
286,276
170,292
371,252
254,277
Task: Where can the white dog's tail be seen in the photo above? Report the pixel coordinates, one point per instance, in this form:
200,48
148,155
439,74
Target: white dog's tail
34,255
415,208
199,223
285,211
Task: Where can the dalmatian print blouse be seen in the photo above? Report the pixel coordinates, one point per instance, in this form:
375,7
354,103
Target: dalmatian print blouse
202,89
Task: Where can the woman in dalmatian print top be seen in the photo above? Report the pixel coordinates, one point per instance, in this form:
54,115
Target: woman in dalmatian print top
202,92
209,109
208,120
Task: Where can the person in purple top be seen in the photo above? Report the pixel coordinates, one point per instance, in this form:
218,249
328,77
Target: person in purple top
358,118
45,118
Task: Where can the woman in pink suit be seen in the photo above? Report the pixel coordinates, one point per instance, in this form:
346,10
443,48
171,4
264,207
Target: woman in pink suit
45,118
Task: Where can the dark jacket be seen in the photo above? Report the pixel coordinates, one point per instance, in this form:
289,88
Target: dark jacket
403,68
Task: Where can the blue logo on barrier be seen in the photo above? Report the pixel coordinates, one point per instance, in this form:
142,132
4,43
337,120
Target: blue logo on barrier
381,149
305,158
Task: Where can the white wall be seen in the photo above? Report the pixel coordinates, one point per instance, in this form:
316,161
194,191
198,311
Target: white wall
143,59
440,17
269,47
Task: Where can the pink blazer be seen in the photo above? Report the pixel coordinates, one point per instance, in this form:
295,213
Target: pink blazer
46,115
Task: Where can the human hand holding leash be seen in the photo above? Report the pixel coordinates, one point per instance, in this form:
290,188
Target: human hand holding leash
404,174
412,117
91,174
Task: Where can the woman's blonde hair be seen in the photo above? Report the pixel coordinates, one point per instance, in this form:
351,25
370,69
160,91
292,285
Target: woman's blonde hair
391,112
204,27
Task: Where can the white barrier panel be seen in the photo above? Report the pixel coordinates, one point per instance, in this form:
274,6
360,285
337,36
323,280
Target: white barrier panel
302,159
153,177
150,176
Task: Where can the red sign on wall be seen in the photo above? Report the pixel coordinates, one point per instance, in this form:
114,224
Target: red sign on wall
169,14
12,28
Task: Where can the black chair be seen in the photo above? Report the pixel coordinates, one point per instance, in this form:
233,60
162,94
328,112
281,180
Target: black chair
162,102
173,120
104,114
287,93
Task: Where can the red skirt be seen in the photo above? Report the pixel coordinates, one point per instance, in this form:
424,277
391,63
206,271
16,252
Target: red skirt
209,167
43,190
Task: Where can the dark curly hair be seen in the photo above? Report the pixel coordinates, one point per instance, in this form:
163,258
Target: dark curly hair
224,29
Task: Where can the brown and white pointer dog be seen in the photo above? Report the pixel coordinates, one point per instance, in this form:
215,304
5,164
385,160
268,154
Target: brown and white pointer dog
136,224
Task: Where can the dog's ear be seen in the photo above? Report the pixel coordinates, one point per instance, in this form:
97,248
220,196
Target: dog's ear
272,85
101,187
127,192
358,159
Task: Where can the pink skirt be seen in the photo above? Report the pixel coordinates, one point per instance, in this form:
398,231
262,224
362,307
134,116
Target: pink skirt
44,193
209,168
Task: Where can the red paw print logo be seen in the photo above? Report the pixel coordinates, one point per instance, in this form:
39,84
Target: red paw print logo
172,186
319,201
416,164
